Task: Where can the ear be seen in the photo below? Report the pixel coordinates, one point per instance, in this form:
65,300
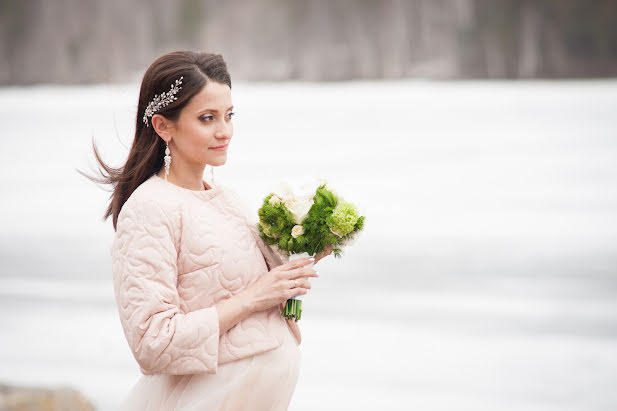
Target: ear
162,127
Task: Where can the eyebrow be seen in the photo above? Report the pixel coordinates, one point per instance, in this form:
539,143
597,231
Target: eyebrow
212,110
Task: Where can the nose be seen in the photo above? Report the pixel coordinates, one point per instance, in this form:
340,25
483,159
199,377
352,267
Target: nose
223,131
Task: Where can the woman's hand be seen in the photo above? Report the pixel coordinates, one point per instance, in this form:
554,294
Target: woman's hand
324,253
277,285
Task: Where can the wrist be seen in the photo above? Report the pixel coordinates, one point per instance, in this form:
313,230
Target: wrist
247,302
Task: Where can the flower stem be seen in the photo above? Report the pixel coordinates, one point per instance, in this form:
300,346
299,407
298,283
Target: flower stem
292,310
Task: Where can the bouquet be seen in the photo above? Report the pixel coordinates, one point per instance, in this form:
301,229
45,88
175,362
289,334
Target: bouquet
304,220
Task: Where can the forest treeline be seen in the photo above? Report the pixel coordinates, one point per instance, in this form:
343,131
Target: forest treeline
83,41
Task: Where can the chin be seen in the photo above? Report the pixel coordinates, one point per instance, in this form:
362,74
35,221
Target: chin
218,161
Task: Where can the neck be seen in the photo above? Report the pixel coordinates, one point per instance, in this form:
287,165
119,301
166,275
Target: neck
190,179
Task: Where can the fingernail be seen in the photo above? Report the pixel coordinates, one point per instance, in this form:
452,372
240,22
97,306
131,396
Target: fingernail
311,259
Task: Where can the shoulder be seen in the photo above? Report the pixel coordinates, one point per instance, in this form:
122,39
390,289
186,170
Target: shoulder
143,226
148,203
150,188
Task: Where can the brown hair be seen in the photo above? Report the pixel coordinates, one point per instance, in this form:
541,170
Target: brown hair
146,155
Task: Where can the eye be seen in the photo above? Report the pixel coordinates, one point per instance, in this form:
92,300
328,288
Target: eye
208,117
231,114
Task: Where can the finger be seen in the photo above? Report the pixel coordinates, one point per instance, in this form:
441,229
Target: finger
301,262
302,272
311,274
301,283
295,283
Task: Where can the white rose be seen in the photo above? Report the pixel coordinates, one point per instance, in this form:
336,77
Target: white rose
302,190
298,198
274,200
299,208
296,231
284,191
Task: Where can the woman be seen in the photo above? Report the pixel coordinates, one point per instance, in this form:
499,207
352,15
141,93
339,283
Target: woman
199,293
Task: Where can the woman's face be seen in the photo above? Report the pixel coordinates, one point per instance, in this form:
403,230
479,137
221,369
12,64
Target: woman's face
204,123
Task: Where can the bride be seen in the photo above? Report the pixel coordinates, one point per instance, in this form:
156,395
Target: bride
199,293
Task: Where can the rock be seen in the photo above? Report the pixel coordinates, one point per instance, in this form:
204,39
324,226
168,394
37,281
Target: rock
13,398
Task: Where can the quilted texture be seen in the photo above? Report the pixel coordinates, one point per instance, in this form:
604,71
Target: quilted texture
175,254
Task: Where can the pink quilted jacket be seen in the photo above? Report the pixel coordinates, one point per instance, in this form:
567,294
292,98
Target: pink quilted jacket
175,254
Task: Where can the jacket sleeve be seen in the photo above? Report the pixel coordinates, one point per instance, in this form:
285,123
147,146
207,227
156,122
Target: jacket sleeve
162,338
272,256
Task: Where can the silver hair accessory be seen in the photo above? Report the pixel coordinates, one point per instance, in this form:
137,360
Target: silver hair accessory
162,100
167,159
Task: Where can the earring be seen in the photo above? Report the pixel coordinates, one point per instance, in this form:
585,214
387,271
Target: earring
211,173
167,159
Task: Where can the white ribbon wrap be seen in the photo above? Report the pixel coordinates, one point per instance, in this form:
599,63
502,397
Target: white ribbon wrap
296,257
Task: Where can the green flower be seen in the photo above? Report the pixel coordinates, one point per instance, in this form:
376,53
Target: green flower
266,229
343,219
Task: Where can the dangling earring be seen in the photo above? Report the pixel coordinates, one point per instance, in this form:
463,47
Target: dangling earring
211,174
167,159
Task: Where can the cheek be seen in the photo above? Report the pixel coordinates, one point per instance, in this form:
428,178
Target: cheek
202,135
198,141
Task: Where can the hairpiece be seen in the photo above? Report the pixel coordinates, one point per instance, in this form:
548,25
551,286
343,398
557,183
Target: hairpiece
162,100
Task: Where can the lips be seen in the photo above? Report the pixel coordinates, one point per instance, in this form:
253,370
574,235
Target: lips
218,147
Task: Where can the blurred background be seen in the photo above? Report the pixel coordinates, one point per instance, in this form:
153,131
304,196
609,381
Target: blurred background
478,137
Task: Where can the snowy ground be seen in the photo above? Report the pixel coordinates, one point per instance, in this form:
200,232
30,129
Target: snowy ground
486,278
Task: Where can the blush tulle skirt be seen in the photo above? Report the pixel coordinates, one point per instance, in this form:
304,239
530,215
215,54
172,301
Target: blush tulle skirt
265,381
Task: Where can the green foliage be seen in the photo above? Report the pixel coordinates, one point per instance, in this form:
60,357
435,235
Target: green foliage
275,221
276,224
359,224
